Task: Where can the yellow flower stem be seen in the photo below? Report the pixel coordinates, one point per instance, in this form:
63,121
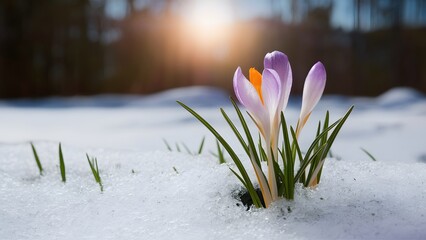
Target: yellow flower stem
300,124
271,172
262,182
314,181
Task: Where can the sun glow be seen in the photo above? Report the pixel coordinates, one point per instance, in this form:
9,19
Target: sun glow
208,22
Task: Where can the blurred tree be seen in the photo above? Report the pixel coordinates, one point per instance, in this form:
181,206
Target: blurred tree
52,47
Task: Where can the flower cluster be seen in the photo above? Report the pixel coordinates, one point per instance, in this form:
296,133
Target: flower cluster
265,95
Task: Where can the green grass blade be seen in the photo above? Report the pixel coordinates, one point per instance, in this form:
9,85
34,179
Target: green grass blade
288,149
62,164
235,130
296,144
239,177
314,175
177,147
37,159
187,149
98,177
93,163
244,176
167,145
326,122
262,152
200,149
289,160
97,167
317,160
369,154
318,133
333,135
306,162
319,137
254,157
252,147
220,154
320,172
330,154
92,167
280,177
299,153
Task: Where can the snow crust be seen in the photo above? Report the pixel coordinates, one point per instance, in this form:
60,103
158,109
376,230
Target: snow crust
151,193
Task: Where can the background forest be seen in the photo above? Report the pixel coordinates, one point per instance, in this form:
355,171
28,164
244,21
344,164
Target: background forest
85,47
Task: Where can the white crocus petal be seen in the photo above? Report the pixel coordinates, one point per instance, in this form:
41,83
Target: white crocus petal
312,91
272,95
278,61
271,91
249,97
286,88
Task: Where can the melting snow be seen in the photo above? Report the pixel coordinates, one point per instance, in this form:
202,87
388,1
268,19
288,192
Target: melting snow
150,193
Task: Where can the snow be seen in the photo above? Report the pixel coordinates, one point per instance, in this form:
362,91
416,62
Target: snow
151,193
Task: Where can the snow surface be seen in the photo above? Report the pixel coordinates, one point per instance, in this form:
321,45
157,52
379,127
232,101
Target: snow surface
151,193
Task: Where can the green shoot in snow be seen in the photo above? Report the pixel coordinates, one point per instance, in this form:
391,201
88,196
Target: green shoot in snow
62,164
369,154
93,163
37,159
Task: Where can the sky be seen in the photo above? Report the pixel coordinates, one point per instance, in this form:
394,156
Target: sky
342,15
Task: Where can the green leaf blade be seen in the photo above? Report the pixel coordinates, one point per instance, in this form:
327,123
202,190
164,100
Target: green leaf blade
37,159
62,164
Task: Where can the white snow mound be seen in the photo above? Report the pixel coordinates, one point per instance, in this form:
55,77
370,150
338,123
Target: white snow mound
151,193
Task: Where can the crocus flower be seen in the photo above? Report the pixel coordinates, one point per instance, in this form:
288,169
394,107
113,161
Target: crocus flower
312,92
265,96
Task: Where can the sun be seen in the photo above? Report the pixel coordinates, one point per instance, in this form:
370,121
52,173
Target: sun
208,21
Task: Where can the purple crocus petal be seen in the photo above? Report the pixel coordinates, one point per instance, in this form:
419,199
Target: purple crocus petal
245,91
248,96
271,91
279,62
286,88
313,89
238,76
